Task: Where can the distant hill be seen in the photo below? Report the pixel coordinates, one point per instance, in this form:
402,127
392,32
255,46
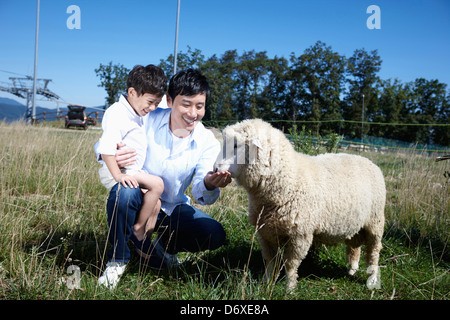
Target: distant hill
11,110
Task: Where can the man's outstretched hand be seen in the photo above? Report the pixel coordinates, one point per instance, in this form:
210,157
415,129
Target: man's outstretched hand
217,179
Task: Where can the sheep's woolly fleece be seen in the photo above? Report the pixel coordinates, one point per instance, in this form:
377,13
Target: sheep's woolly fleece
296,200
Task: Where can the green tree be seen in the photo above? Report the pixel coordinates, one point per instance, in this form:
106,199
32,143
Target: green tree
284,89
362,69
191,59
441,134
429,105
220,73
251,76
274,100
319,85
394,107
321,72
114,79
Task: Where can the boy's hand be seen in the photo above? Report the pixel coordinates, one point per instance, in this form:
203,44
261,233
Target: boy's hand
214,180
126,179
124,157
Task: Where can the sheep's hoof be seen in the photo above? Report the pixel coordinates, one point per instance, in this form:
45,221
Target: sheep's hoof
352,271
374,281
290,287
353,268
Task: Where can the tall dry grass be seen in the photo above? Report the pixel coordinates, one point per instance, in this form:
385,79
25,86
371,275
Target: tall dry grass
49,196
418,190
52,214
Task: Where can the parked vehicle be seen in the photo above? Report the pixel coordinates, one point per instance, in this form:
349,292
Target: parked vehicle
76,117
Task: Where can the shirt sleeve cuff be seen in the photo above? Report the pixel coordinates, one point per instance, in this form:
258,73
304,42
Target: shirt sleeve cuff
204,196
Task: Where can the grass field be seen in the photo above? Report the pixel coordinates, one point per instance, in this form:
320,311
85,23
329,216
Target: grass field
52,219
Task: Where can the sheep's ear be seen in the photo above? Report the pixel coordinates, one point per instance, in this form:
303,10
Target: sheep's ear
257,143
263,158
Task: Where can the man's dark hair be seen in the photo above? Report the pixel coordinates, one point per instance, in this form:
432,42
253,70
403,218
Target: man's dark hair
149,79
188,82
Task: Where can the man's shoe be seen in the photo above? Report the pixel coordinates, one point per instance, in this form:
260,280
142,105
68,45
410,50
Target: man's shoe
168,260
155,255
111,276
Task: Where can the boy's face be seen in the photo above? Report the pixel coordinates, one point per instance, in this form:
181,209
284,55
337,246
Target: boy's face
143,104
187,111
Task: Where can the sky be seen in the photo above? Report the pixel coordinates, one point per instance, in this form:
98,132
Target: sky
413,41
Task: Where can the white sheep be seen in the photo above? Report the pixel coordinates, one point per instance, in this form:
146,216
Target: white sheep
296,200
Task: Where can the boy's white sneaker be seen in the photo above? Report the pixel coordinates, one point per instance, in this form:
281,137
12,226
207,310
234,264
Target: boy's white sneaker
111,276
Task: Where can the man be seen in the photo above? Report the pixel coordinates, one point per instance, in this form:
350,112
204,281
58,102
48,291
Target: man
180,151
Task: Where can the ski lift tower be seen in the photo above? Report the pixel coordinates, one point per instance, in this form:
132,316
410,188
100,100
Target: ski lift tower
23,88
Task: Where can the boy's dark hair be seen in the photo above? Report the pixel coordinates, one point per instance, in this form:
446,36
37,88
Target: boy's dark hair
149,79
188,82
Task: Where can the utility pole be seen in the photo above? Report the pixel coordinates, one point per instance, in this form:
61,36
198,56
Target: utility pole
362,122
176,40
33,114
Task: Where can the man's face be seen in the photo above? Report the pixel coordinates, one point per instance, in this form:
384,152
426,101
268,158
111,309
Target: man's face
187,111
143,104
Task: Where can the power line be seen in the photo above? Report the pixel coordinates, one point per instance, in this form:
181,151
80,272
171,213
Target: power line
18,74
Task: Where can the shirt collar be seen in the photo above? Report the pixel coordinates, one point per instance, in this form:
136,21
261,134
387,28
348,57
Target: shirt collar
197,133
124,101
165,120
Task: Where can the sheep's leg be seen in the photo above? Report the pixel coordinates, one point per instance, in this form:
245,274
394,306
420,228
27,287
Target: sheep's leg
354,252
269,253
353,255
296,251
373,246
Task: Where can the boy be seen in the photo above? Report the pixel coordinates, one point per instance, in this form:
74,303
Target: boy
123,122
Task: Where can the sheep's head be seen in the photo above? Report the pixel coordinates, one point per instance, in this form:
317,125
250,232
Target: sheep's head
250,148
237,154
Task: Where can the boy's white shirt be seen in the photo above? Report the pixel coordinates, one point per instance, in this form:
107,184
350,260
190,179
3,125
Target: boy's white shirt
178,161
120,123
